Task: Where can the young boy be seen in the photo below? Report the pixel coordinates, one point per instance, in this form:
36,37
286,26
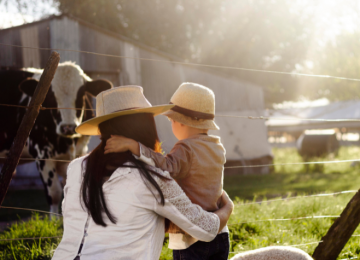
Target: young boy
196,162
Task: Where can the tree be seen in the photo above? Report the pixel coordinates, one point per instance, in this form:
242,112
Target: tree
249,34
278,35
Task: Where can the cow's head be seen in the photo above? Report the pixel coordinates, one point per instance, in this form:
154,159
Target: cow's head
70,88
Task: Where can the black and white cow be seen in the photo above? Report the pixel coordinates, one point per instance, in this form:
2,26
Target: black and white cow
53,135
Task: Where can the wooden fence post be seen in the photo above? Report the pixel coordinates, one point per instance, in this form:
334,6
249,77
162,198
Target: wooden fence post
340,232
27,123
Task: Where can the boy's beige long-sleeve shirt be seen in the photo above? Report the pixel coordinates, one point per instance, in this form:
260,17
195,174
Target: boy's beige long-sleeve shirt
197,165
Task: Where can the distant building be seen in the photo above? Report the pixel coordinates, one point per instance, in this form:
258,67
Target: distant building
287,125
245,140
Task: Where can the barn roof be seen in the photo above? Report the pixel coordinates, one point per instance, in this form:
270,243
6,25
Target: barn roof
338,110
94,27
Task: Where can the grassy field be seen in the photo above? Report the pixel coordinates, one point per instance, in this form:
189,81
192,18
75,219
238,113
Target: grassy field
296,179
31,249
248,230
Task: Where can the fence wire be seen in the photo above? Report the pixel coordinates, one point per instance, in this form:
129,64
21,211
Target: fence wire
235,224
227,167
33,210
297,245
300,197
187,63
231,116
47,108
28,238
282,219
297,163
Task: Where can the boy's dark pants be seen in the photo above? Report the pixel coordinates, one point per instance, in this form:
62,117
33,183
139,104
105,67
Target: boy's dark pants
218,249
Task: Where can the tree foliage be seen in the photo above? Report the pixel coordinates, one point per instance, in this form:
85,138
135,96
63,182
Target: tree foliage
276,35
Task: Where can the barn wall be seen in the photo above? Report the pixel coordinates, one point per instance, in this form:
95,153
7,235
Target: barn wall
10,56
230,95
131,75
67,33
242,138
114,78
64,34
30,35
95,41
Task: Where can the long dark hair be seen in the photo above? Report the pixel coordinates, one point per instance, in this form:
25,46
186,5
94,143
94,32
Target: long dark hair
140,127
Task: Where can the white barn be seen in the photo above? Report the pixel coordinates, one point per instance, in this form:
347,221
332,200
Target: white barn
245,140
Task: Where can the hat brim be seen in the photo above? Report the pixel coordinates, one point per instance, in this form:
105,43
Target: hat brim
200,124
91,126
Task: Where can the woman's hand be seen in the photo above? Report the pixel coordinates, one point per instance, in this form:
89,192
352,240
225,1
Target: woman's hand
226,208
118,144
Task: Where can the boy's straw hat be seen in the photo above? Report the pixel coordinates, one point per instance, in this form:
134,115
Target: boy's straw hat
120,101
194,106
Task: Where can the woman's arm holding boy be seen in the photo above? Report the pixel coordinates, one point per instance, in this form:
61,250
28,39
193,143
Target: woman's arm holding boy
190,217
177,162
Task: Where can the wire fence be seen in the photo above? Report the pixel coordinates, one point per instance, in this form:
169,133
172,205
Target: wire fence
300,197
230,116
235,224
247,222
28,238
46,108
250,203
186,63
33,210
296,245
227,167
283,219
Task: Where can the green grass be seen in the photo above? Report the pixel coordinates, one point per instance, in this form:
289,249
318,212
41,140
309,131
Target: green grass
255,233
295,179
31,249
248,231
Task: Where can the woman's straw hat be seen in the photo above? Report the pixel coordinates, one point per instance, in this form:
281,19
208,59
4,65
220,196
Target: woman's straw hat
194,106
120,101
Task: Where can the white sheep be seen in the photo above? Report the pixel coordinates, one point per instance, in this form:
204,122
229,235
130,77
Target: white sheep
273,253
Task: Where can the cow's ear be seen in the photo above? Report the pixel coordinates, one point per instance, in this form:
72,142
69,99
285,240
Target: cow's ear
97,86
28,86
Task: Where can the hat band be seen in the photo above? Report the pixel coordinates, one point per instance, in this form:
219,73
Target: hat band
126,109
193,114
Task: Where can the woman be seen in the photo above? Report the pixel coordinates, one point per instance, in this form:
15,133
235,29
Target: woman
114,205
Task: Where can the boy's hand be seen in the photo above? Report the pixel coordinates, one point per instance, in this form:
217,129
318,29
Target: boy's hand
118,144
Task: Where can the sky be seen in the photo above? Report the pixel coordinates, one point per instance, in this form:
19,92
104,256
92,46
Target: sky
332,16
10,15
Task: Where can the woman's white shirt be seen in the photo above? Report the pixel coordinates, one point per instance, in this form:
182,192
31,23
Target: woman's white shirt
139,230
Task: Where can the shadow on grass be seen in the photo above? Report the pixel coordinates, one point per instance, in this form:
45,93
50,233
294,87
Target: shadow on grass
34,199
285,184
